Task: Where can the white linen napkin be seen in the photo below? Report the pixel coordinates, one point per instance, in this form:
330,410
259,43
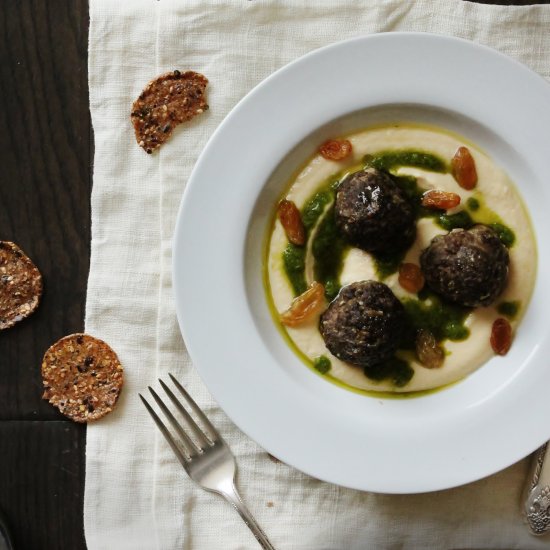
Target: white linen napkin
137,496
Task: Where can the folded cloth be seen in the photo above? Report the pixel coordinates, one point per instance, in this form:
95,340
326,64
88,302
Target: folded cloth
137,496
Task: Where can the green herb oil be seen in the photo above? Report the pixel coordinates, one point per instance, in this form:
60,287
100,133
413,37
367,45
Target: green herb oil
322,364
509,309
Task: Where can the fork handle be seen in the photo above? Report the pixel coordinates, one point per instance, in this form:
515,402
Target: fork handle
233,497
536,505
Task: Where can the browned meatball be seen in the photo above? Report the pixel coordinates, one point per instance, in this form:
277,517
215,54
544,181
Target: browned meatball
467,266
373,213
363,324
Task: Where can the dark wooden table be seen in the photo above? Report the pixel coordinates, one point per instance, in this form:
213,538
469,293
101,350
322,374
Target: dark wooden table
45,185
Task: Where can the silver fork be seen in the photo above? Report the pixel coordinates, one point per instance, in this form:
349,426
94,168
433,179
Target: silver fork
205,456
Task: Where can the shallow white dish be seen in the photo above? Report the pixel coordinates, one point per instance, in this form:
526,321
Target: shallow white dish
482,424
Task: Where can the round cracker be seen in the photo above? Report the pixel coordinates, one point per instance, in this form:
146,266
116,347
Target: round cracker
20,285
82,377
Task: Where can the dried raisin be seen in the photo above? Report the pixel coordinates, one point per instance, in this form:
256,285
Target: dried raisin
440,200
336,149
501,336
411,278
463,168
304,307
290,218
428,350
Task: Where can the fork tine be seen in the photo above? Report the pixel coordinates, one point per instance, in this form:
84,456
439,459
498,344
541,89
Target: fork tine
164,430
190,446
214,435
203,441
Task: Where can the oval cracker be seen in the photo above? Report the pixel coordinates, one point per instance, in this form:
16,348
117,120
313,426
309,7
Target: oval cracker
166,102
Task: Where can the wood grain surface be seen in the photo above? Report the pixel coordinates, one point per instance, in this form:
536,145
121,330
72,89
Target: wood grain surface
41,483
45,186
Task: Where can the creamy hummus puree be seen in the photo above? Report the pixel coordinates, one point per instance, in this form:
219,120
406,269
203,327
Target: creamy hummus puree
495,190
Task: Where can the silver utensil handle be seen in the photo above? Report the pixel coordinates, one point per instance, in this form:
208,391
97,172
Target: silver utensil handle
537,497
235,500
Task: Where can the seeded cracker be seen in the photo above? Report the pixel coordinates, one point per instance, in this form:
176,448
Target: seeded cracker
20,285
167,101
82,377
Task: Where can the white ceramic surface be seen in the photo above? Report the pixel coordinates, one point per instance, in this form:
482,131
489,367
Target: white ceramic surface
484,423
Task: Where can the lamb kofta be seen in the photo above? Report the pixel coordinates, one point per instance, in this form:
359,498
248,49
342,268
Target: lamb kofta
372,212
363,324
468,267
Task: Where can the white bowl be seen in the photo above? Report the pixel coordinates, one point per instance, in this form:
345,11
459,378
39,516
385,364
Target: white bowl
480,425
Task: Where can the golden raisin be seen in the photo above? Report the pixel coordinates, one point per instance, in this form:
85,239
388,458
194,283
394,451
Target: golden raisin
336,149
463,168
501,336
410,277
428,351
304,307
290,218
440,200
